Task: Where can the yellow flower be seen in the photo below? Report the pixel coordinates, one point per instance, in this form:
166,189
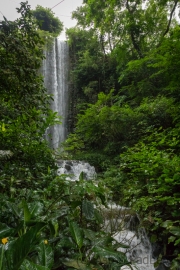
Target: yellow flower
4,240
45,242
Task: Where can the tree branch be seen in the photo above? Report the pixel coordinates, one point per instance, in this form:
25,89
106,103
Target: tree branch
133,38
170,19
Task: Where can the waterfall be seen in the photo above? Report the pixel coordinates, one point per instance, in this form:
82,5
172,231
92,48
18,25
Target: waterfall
140,250
55,70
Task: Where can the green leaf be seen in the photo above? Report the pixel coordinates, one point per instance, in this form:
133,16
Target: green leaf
98,216
76,233
175,230
177,242
45,255
102,241
19,249
111,254
36,209
167,224
27,214
28,265
81,177
88,209
14,208
5,231
91,235
77,265
3,127
171,239
67,243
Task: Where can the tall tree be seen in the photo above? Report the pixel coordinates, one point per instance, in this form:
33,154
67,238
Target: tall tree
138,24
24,103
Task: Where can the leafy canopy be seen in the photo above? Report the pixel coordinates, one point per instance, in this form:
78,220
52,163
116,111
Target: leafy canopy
47,20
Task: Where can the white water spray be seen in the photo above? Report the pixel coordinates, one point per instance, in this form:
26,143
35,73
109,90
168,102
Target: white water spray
74,168
55,70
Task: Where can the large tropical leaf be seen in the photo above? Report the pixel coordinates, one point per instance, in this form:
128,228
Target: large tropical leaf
45,255
18,250
28,265
76,233
111,254
88,209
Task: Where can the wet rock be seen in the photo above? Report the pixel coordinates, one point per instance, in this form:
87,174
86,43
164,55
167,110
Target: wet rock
164,265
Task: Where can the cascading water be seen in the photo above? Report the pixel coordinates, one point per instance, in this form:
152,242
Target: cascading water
140,251
75,168
124,226
55,70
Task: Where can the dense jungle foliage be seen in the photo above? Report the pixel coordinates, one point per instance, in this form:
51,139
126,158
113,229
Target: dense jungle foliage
125,69
125,58
46,222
